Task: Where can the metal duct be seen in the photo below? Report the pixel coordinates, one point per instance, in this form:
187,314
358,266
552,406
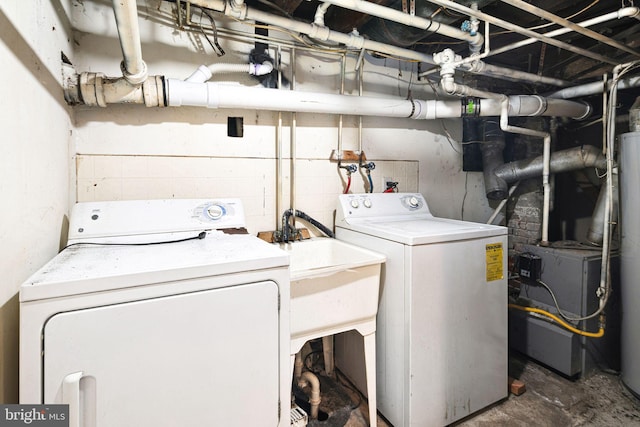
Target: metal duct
492,158
561,161
596,228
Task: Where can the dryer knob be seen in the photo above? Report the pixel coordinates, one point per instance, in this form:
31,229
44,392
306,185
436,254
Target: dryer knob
215,211
414,202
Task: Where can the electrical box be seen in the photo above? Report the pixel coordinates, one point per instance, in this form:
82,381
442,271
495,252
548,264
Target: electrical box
529,267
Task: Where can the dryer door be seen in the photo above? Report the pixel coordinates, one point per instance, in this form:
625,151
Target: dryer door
204,358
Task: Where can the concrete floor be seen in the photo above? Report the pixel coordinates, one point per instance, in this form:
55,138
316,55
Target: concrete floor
551,400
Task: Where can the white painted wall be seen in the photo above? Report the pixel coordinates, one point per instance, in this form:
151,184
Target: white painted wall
34,158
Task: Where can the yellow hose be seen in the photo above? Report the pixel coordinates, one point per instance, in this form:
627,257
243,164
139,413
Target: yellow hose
562,323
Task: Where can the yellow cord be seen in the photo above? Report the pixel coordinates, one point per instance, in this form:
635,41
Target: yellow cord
564,324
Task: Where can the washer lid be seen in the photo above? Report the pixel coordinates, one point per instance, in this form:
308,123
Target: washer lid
83,268
422,231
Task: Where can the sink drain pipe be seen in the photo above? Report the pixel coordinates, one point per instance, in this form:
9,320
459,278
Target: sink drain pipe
308,378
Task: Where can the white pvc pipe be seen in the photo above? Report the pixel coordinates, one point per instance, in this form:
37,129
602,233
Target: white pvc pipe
318,19
218,95
400,17
480,67
509,26
133,67
632,12
314,400
204,73
357,42
293,144
98,90
360,77
279,159
594,88
522,5
546,156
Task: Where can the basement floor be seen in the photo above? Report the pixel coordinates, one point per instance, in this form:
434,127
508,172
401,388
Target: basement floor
600,399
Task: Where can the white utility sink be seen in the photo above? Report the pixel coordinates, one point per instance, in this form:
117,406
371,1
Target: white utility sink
334,288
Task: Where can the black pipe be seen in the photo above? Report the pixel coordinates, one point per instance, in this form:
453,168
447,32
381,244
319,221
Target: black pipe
492,158
286,227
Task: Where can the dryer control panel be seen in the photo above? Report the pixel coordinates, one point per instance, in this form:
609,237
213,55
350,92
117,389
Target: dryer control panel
92,220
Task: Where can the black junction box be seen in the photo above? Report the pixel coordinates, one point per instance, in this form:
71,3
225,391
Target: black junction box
529,267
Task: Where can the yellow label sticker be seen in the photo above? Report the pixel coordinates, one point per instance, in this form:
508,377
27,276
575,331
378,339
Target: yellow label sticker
494,262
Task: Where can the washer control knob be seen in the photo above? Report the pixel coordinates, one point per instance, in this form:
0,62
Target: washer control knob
414,202
366,203
215,211
354,203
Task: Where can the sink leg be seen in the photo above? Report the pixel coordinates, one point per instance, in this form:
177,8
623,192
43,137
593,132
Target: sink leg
327,350
370,366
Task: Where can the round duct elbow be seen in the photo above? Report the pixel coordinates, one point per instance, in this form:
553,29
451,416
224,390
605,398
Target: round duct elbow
497,193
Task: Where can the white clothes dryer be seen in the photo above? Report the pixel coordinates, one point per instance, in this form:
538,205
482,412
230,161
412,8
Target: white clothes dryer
155,316
442,320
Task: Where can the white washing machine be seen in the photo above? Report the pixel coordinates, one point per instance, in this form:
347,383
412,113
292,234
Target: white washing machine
156,316
442,320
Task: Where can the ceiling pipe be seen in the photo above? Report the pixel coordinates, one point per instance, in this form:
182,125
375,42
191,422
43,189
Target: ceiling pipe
204,73
480,67
133,67
509,26
97,90
594,88
400,17
449,61
520,4
135,86
630,12
318,32
318,19
219,95
358,42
